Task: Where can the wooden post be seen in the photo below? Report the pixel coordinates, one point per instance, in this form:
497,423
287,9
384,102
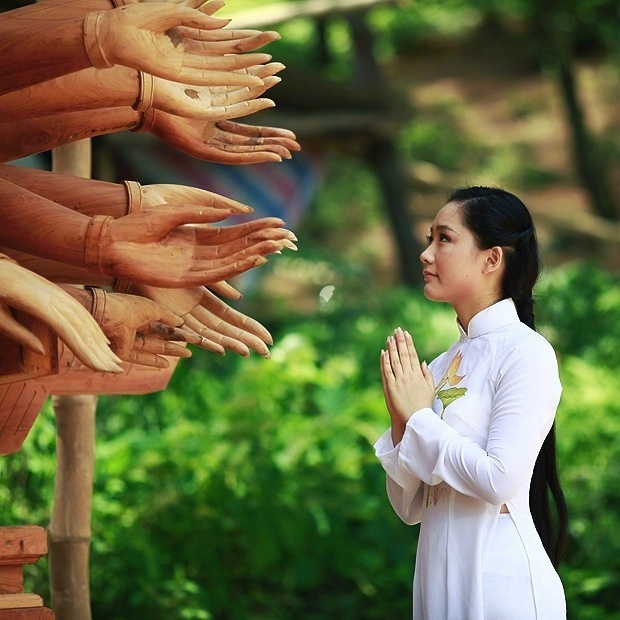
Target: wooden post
69,529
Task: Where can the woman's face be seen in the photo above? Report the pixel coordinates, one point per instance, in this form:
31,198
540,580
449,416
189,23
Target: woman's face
453,264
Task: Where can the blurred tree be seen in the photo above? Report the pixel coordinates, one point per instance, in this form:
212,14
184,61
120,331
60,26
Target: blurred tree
562,26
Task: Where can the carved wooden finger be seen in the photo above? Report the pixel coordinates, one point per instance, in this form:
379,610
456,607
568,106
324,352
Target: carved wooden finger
260,243
193,138
224,289
232,344
255,131
154,195
224,328
227,41
218,235
234,317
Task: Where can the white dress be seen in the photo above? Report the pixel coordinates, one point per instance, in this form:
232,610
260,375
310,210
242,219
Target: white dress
497,393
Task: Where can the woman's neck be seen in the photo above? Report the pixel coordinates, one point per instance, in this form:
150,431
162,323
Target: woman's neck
465,312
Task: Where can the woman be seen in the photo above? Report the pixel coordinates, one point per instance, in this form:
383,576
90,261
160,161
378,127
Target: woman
471,431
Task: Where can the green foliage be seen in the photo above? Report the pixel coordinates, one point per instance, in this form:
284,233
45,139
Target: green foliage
579,307
440,141
589,453
248,490
427,18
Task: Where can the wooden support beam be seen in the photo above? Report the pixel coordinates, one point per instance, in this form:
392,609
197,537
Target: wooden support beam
31,613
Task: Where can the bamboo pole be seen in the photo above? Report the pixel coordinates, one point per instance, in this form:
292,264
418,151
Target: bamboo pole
69,531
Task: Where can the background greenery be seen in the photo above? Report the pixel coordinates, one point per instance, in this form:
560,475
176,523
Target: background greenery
248,490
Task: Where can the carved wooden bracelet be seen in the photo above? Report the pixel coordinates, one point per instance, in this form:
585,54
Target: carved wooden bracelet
92,35
145,97
94,240
99,301
146,121
134,196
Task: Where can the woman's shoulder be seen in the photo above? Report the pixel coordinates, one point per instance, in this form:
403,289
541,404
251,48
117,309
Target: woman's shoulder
520,342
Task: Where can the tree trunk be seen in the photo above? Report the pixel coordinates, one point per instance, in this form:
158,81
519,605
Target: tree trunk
69,529
590,165
385,159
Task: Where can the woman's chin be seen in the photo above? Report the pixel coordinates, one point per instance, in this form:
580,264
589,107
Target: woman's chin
430,294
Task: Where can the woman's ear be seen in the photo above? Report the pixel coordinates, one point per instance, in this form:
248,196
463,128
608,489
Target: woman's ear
495,259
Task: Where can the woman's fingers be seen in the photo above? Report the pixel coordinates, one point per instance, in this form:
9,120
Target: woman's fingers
406,350
428,375
393,356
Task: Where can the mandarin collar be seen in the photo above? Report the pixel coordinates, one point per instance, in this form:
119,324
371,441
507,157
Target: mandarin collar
498,315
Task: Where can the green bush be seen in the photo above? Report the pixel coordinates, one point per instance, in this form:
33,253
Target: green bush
248,490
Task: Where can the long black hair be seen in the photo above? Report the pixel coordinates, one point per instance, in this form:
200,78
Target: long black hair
496,217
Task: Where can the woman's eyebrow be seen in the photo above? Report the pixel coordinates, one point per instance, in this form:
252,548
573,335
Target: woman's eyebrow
443,227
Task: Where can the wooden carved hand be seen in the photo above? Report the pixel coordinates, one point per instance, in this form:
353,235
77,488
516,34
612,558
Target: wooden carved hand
224,142
147,37
210,103
220,325
23,290
157,247
140,330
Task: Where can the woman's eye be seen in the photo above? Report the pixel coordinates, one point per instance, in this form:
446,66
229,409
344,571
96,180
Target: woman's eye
444,238
429,239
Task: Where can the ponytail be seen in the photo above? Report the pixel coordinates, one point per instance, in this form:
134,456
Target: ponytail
498,218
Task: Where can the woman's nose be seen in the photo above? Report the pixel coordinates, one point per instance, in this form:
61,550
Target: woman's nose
425,257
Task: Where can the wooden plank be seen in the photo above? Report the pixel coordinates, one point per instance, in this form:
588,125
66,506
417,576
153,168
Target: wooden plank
20,601
11,579
75,378
285,11
22,543
30,613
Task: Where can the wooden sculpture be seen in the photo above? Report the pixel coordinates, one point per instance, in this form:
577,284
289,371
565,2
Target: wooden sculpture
119,86
153,246
21,289
167,40
221,142
152,262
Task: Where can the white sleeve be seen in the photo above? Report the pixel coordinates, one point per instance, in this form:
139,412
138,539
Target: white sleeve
527,395
404,490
